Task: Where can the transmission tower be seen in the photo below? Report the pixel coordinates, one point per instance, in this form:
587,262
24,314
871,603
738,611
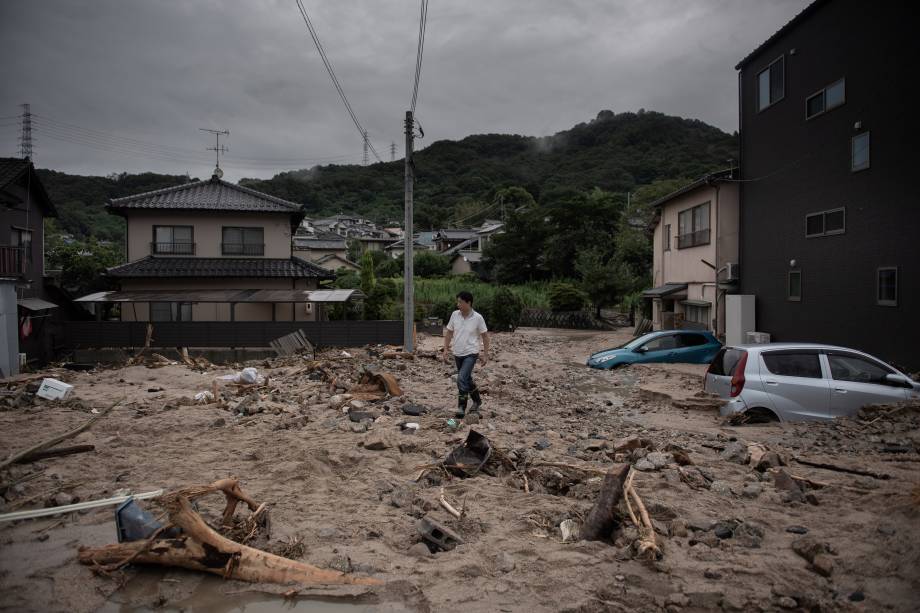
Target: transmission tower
25,139
365,147
392,152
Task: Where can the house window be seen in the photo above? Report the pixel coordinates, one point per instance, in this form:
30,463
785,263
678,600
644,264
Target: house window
243,241
693,227
887,293
697,314
770,84
828,98
23,240
666,238
859,152
170,311
794,286
173,240
825,223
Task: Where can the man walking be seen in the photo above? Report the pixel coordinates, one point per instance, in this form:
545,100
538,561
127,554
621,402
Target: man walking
465,328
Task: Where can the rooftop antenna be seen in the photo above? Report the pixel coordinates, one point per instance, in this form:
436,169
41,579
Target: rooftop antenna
25,139
217,149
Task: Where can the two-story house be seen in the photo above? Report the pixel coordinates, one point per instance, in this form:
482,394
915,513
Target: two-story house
24,308
829,219
212,251
695,254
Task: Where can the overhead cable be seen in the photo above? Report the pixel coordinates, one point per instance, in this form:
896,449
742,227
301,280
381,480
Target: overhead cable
422,23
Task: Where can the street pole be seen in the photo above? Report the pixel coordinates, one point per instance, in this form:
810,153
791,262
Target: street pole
408,252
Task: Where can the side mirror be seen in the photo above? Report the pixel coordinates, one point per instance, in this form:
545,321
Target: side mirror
640,349
898,381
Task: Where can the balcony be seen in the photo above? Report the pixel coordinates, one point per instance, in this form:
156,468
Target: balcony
242,248
693,239
172,248
12,261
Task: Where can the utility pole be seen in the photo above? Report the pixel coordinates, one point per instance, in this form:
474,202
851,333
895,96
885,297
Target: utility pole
408,252
392,152
25,139
217,148
365,147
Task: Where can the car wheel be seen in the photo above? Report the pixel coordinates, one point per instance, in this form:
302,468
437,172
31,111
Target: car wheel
760,415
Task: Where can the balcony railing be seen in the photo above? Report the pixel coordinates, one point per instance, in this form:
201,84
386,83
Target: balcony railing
700,237
242,248
172,248
12,262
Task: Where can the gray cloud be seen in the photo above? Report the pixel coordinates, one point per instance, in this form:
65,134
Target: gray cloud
157,71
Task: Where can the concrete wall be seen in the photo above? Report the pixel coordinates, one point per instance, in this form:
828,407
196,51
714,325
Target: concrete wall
208,231
26,215
9,332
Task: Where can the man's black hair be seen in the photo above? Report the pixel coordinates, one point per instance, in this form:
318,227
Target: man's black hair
466,297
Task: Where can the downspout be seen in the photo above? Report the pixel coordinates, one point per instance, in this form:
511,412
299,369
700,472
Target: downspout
716,299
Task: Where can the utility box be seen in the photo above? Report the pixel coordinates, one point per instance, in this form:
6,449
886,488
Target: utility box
739,318
757,338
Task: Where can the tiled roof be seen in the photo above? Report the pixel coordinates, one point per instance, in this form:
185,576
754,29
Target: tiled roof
168,267
308,242
211,195
12,169
461,246
710,179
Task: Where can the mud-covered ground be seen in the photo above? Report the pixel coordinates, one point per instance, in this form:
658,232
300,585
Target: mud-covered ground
734,536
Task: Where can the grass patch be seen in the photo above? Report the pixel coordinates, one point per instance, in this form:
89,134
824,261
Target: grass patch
432,291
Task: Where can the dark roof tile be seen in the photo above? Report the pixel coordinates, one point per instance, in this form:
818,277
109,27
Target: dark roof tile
168,267
211,195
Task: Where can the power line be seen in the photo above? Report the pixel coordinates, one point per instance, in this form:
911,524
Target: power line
335,81
422,23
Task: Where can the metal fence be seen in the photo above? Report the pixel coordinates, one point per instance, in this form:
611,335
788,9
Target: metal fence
579,320
210,334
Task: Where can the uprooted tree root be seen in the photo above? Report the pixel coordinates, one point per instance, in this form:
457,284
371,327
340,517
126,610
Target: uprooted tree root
200,548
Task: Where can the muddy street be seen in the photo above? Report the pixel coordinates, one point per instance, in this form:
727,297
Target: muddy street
743,516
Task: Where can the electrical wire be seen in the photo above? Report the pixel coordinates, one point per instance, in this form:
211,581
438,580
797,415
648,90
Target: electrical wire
335,81
422,24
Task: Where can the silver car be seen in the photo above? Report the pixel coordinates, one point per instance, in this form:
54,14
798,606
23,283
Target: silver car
799,382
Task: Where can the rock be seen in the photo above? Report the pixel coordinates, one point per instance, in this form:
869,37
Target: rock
769,460
723,488
419,550
812,499
694,477
752,490
630,443
542,444
217,423
823,564
734,602
358,428
414,410
857,596
644,465
569,529
593,444
787,602
357,404
724,529
700,525
61,498
659,459
337,401
359,416
749,535
705,600
377,440
504,562
886,530
341,564
706,538
678,599
678,527
736,452
808,547
797,529
681,457
711,573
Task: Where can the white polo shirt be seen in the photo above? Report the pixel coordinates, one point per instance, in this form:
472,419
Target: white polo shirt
466,332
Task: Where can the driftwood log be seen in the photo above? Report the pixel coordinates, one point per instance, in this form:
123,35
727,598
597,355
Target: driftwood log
55,453
201,548
601,519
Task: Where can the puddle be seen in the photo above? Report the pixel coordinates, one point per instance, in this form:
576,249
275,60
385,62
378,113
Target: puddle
145,594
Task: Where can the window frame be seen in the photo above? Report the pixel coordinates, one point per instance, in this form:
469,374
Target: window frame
789,296
243,244
694,231
828,354
769,67
878,286
697,310
824,230
153,245
868,163
25,247
778,353
666,237
823,93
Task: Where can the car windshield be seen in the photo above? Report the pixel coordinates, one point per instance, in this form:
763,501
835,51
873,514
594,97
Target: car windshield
636,342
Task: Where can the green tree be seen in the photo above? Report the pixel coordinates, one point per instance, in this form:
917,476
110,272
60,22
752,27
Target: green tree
428,264
506,310
566,297
367,273
83,263
599,279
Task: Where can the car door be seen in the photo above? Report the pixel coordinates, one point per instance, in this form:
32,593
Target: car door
795,382
660,349
691,348
858,380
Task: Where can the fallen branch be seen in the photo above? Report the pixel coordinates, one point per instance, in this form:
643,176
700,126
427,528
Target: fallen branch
201,548
51,442
448,507
648,546
843,469
56,452
601,519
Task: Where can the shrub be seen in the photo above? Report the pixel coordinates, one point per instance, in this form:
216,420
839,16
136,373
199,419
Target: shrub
566,297
506,311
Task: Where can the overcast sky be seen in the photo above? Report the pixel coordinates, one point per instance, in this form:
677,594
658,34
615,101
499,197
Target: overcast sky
125,85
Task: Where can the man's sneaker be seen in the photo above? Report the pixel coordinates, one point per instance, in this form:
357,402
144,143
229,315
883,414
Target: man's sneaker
460,413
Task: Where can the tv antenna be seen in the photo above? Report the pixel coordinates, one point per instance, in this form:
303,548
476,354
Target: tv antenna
217,148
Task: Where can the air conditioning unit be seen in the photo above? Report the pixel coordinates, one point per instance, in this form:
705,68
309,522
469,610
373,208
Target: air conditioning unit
758,338
732,271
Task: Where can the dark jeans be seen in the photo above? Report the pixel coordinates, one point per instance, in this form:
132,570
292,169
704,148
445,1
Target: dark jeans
465,372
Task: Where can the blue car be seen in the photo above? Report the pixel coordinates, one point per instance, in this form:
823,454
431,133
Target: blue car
688,346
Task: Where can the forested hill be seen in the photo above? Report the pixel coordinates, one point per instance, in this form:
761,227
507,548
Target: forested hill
455,179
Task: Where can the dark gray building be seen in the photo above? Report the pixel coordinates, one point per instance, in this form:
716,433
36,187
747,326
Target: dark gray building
830,225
